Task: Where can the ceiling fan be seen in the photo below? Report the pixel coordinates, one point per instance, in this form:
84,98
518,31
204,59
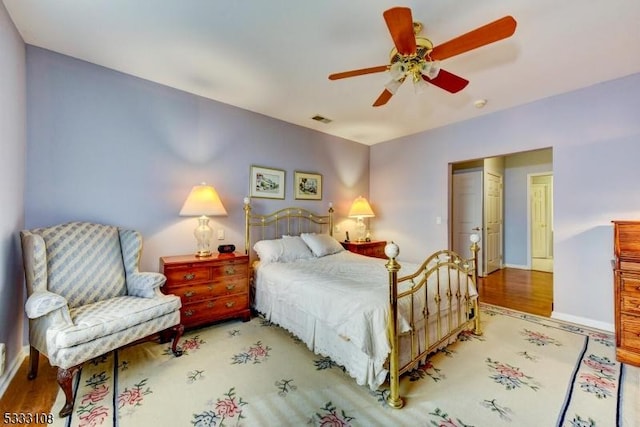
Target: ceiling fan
416,58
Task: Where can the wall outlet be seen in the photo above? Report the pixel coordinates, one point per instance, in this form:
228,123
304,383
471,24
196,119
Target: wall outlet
3,357
220,233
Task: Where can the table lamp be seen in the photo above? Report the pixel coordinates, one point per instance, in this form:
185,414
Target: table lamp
360,209
203,202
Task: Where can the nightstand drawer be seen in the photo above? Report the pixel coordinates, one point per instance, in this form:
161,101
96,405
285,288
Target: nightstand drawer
214,309
230,269
188,275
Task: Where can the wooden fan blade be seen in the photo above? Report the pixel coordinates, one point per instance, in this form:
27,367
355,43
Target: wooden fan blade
492,32
400,24
384,97
448,81
353,73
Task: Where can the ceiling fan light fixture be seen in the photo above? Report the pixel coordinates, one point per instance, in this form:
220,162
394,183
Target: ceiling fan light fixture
398,70
419,86
430,69
393,85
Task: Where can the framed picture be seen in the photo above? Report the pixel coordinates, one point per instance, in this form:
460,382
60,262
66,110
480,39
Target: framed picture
267,182
307,186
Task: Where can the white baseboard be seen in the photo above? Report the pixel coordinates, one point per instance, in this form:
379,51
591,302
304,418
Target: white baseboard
590,323
518,266
5,380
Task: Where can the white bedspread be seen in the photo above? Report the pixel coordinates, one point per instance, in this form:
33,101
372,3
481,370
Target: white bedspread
348,292
344,294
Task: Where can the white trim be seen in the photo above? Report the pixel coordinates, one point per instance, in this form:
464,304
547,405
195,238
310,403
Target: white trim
609,327
5,380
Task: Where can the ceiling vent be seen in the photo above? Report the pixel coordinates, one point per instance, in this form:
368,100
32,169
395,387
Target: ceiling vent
319,118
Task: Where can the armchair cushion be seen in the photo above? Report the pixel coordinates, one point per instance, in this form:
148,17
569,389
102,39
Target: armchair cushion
107,317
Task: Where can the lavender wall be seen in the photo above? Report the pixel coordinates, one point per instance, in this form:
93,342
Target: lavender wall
12,170
594,134
109,147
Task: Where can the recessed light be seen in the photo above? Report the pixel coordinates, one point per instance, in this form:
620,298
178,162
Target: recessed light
480,103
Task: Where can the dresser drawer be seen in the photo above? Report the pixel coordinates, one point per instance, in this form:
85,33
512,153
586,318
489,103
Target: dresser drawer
630,265
214,309
230,269
200,291
630,283
630,332
188,275
630,303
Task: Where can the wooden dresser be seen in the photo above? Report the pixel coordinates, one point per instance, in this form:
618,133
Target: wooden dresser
211,289
626,265
372,249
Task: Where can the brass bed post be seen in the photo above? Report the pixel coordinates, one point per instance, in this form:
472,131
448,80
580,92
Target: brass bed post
247,215
394,400
330,218
476,307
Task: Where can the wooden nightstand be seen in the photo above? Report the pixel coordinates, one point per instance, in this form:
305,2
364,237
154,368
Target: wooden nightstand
372,249
211,289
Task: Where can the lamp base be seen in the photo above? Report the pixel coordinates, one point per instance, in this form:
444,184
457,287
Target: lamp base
203,234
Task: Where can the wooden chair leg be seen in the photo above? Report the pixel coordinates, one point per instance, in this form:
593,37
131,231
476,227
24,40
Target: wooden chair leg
34,358
65,380
178,330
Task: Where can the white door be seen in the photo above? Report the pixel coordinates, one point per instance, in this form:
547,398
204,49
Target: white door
538,221
467,213
492,221
541,222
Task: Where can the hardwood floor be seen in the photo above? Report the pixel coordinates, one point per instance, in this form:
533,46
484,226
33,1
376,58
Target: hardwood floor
522,290
30,397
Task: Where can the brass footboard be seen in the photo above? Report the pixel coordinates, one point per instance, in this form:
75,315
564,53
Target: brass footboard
435,304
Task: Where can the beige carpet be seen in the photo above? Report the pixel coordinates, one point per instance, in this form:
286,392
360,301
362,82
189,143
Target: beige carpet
523,371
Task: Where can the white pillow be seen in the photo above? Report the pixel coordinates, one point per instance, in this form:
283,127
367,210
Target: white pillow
287,249
321,244
269,250
294,249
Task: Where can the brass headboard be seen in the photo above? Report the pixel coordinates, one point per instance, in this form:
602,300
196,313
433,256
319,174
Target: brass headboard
287,221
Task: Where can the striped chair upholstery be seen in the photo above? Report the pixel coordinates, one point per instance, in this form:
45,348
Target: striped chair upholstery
86,296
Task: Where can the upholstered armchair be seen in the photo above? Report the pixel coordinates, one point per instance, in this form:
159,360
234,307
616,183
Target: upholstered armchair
86,297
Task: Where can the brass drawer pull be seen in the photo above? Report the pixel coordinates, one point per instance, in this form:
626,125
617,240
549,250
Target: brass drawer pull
189,276
231,286
210,304
230,304
229,270
188,313
210,287
189,294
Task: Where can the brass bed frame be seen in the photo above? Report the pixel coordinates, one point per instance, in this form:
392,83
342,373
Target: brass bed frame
294,221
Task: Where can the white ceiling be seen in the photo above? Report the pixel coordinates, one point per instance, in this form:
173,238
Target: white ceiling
273,57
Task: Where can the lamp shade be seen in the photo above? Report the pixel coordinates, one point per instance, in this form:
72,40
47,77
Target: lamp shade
361,209
203,200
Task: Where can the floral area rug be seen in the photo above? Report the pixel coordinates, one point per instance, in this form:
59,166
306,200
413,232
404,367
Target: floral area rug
523,371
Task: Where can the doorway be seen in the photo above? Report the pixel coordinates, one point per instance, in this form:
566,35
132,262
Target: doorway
527,196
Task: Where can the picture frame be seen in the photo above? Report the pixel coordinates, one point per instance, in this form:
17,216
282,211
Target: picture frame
307,185
267,183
